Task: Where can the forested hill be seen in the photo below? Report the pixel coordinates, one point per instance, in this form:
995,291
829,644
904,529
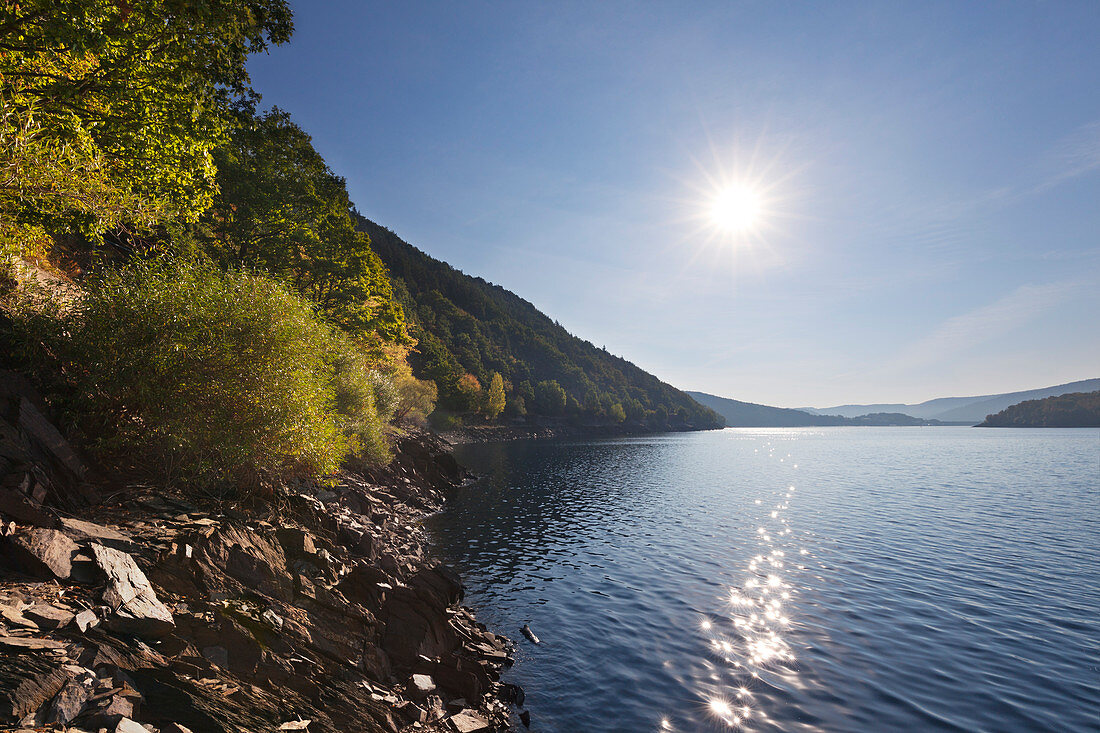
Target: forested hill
469,330
1077,410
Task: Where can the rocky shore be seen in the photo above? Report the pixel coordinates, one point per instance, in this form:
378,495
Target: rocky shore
130,608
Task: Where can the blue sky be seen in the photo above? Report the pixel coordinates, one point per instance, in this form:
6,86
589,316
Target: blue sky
930,171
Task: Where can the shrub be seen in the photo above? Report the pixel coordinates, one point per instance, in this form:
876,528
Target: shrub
209,377
362,399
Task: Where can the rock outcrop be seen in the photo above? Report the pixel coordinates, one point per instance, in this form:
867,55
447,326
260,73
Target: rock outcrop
319,611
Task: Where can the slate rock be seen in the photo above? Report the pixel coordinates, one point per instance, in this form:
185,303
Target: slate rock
47,617
27,683
117,708
81,530
13,504
86,619
174,728
236,553
45,553
469,721
27,644
137,609
68,703
421,685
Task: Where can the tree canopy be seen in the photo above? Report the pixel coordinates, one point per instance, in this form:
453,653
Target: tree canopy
109,111
280,208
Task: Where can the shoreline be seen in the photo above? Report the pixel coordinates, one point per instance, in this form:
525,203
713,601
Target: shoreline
505,433
323,610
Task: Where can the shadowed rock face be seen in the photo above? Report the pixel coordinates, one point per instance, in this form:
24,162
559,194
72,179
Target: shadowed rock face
209,618
45,553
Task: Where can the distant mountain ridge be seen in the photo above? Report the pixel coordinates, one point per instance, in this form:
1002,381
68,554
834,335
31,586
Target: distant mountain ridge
960,409
751,415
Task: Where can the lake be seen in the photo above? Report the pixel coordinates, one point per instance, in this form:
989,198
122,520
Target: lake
838,579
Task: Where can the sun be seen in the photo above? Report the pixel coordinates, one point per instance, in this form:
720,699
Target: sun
736,209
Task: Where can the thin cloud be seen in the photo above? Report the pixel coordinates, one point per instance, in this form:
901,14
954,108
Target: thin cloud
1073,156
961,333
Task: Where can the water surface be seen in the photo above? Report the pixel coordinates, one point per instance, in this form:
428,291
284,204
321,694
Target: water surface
840,579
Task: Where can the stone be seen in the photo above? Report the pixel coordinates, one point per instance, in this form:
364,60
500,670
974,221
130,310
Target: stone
469,721
45,553
15,505
513,694
295,725
130,726
421,685
47,617
295,542
28,644
35,425
236,553
117,708
27,684
129,594
14,617
68,703
174,728
89,531
86,619
412,712
217,655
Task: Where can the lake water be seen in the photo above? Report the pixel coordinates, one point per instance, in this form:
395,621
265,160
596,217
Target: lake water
839,579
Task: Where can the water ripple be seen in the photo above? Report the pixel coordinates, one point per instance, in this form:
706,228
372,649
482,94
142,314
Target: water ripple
839,579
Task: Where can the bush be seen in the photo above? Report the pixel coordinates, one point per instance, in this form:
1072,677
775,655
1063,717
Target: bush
211,378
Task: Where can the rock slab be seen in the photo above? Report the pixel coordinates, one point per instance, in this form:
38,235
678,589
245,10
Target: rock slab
45,553
137,609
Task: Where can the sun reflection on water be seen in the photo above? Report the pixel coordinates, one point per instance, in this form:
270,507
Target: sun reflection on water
750,635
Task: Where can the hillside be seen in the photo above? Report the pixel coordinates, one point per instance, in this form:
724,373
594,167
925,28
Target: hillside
960,409
1076,410
750,415
468,329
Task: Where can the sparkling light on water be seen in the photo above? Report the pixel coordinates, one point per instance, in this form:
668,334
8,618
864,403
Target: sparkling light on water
753,645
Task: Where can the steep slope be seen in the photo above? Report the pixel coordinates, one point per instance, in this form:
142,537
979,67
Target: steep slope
1075,410
960,409
469,328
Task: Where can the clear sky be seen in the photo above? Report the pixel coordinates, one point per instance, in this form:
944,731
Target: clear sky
928,178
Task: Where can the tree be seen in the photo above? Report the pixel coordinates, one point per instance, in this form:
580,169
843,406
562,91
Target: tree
495,404
469,391
550,398
109,111
280,208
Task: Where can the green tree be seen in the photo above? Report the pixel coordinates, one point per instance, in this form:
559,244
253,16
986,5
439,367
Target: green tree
495,404
550,398
109,110
280,208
